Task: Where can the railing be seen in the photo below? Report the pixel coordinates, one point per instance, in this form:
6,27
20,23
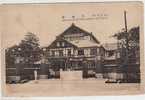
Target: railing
65,56
110,58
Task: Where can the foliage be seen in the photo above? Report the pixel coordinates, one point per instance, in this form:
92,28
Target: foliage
129,44
132,36
10,55
28,51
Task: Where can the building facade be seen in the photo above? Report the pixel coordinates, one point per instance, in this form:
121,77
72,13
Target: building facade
76,49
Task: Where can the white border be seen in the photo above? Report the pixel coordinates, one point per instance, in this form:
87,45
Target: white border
127,97
54,1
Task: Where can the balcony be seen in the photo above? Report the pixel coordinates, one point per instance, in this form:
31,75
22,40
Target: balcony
67,56
110,57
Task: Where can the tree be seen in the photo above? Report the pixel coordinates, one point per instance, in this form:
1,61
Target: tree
132,35
27,52
129,40
30,49
129,53
10,54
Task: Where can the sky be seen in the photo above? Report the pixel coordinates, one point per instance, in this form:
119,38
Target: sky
45,20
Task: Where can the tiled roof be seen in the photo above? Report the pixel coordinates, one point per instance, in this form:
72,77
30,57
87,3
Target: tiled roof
84,43
110,46
60,39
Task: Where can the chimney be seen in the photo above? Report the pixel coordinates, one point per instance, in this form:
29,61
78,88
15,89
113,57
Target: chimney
73,24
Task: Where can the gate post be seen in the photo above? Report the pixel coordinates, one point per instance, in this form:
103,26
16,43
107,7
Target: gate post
85,69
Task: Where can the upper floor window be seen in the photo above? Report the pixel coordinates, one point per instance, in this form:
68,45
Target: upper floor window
60,52
58,44
63,44
93,51
69,52
53,53
110,53
98,50
81,52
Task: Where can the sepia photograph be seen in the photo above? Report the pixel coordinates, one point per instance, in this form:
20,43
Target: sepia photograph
72,49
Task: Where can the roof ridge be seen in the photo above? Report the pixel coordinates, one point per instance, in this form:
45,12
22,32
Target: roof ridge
80,29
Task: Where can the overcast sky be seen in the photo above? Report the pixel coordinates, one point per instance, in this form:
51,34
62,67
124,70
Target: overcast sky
45,20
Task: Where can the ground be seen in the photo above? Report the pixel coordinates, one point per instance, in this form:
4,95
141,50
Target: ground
58,87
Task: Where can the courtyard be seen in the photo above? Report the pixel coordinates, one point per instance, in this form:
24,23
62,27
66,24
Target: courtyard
57,87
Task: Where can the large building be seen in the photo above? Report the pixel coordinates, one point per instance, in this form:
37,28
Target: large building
75,49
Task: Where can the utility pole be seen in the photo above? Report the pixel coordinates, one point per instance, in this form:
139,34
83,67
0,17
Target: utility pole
126,31
127,46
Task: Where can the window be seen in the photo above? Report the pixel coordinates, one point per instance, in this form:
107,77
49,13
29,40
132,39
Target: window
60,52
58,44
98,50
57,53
110,53
63,44
80,64
87,51
69,52
81,52
93,51
53,53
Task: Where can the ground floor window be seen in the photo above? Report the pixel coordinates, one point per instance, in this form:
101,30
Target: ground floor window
81,52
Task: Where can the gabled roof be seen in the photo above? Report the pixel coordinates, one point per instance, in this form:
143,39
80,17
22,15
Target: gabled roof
77,43
73,29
